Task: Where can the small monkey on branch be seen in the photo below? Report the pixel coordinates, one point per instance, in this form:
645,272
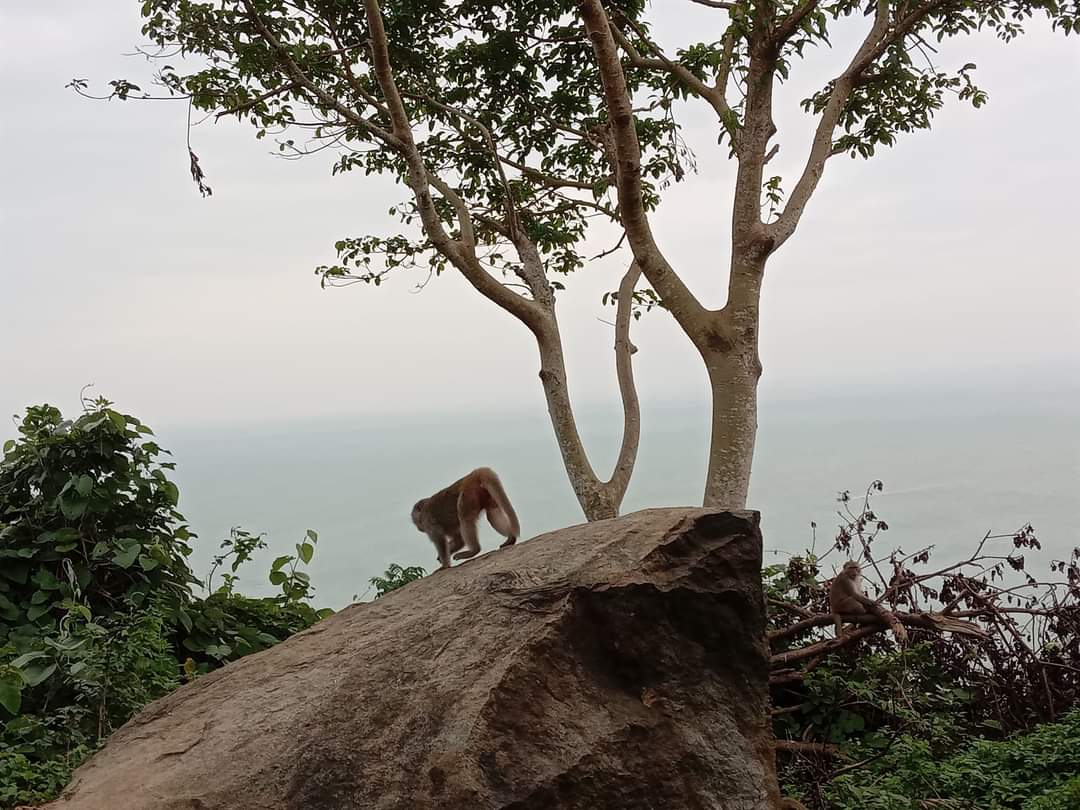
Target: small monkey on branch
847,598
449,516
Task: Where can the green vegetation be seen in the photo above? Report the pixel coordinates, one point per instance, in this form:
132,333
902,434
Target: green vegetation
98,612
974,714
99,615
395,577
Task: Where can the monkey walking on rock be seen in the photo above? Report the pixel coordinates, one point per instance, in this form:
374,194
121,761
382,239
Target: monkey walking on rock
449,516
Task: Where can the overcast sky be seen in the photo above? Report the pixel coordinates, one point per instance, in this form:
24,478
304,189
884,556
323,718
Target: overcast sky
951,256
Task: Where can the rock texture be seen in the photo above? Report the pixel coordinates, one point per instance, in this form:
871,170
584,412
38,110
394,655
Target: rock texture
617,665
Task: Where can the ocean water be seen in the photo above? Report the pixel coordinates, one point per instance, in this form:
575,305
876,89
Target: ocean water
954,466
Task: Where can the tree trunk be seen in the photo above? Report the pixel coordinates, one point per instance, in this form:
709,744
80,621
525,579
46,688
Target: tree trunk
595,499
730,352
734,427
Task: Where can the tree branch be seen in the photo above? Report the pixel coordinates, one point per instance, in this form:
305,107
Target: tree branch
715,4
247,105
682,304
715,96
624,369
299,77
528,312
879,38
800,747
790,24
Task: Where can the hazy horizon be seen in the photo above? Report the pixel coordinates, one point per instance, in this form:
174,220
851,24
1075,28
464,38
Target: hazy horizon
919,327
946,256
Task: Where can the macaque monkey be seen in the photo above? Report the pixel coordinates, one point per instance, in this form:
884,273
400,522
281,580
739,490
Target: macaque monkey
847,598
449,516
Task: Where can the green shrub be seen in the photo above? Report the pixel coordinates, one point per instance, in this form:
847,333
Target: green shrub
1039,770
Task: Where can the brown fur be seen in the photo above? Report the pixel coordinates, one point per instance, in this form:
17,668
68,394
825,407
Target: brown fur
846,598
449,516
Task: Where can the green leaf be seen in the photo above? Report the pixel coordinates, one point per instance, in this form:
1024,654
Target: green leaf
312,535
77,667
127,557
35,612
73,510
34,676
84,485
280,561
171,492
307,551
147,563
26,658
39,597
184,618
277,577
10,693
45,580
117,420
16,572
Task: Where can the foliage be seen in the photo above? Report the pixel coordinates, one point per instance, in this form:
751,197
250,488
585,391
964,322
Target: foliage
395,577
97,607
1039,770
505,93
88,529
882,719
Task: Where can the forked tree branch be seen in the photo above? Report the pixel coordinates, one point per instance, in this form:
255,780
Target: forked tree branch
421,181
682,304
294,72
790,24
714,95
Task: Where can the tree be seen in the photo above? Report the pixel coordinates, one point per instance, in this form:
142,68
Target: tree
515,124
503,191
883,92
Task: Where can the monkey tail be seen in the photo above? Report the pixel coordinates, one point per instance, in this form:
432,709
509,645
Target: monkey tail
899,631
495,489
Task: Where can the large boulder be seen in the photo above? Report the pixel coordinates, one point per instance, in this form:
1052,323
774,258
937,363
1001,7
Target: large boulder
613,665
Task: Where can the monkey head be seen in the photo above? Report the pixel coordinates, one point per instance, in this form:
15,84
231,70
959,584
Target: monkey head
417,512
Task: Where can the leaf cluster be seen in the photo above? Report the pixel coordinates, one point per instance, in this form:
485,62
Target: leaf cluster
98,614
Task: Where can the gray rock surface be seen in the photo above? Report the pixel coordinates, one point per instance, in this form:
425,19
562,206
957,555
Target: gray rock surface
617,665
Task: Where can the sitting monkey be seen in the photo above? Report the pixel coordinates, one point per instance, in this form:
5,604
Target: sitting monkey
847,598
449,516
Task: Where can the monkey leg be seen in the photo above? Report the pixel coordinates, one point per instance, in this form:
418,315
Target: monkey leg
442,548
501,523
467,527
472,542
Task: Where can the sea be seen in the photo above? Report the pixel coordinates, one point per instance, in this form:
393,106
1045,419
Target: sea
954,465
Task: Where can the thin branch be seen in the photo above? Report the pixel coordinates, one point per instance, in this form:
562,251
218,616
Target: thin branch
489,141
715,96
877,40
790,24
247,105
799,747
299,77
715,4
624,369
461,254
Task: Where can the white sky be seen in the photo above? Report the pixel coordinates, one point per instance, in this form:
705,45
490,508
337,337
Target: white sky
950,256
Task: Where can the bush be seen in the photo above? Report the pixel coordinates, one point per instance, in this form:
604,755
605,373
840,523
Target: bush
97,612
1035,771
